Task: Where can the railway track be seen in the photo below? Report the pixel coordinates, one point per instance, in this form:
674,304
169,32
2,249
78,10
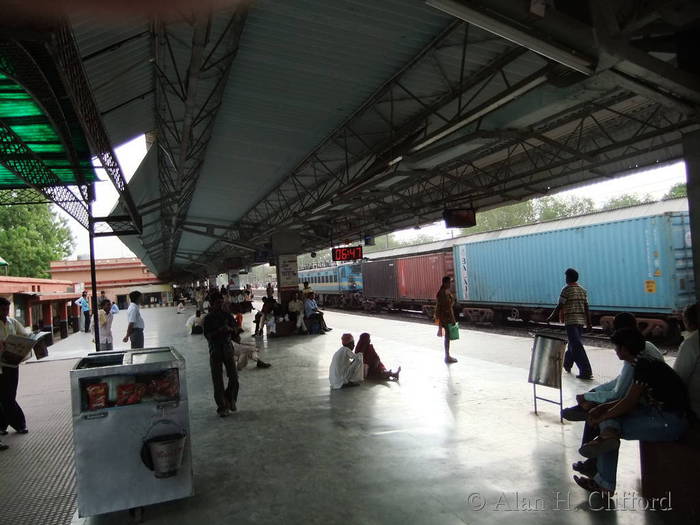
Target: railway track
515,328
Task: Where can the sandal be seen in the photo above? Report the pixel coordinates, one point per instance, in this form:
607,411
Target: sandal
590,485
598,446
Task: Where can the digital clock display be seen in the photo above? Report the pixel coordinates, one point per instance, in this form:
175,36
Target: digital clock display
348,253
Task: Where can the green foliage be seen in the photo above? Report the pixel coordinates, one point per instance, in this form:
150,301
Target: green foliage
544,209
31,236
676,191
625,200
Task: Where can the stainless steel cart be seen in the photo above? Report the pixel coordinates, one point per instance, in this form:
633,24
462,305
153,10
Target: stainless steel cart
130,430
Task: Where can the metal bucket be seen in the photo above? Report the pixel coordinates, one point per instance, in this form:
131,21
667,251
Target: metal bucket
547,360
166,454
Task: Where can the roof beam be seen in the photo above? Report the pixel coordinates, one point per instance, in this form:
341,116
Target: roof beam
188,96
472,13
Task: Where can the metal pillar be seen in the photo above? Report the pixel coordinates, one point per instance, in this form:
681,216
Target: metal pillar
691,153
93,273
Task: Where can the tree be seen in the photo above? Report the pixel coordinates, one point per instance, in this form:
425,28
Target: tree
676,191
31,236
550,208
528,212
625,200
504,217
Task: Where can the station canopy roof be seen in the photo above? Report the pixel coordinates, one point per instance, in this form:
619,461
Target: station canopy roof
328,121
26,118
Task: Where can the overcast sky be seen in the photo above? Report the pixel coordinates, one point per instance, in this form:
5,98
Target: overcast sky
655,182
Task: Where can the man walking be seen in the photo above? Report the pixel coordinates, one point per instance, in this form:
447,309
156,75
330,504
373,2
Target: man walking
134,330
218,327
573,312
85,308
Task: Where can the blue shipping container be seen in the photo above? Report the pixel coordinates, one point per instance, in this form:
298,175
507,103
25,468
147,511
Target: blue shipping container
626,263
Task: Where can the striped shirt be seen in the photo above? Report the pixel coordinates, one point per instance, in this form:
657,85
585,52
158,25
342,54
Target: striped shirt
573,301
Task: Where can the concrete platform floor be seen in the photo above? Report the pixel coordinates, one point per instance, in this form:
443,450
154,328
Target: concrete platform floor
447,444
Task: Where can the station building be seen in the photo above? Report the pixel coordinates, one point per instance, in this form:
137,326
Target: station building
116,277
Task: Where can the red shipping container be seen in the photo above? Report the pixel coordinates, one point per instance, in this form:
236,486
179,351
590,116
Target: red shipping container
420,278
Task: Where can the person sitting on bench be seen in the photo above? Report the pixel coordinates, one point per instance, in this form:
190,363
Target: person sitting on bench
662,416
312,313
687,364
610,391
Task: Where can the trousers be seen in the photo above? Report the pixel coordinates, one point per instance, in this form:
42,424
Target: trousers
575,352
10,412
220,357
86,315
644,423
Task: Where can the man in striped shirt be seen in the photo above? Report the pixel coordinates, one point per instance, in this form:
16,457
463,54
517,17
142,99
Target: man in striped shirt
573,312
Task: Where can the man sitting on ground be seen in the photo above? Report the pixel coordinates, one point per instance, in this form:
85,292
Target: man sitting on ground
244,352
312,313
195,323
610,391
346,366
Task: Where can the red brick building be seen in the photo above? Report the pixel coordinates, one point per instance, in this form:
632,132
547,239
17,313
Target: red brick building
116,277
46,303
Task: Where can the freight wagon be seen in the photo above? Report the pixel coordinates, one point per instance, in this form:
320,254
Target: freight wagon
635,259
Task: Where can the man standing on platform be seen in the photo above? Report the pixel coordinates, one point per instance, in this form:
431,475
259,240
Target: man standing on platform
85,308
218,328
133,315
105,317
11,413
573,311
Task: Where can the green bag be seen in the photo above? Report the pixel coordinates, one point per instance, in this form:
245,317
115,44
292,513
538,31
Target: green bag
453,331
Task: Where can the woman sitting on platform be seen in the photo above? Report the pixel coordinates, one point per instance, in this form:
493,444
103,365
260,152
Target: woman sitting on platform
374,368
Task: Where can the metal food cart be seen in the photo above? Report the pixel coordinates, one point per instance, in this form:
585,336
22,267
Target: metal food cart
130,430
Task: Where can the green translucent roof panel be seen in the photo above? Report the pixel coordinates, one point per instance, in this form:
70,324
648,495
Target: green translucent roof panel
26,118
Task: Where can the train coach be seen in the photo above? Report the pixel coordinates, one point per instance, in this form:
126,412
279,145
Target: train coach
334,285
635,259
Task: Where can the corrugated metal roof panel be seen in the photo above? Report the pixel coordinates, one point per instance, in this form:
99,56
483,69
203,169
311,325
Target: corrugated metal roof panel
117,60
302,67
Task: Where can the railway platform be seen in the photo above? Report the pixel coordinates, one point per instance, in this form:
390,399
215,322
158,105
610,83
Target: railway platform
445,445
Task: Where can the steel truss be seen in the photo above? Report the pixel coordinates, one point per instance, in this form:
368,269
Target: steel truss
384,128
188,97
365,165
17,157
65,53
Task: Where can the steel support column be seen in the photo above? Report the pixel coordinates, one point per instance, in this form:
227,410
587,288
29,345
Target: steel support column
691,153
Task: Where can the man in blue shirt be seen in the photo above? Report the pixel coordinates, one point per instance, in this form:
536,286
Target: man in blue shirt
85,308
312,313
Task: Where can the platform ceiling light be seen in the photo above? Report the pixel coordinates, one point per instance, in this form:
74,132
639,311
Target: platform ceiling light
522,38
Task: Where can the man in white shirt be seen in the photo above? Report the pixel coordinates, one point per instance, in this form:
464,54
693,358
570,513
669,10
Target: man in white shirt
11,413
135,329
687,364
105,317
346,366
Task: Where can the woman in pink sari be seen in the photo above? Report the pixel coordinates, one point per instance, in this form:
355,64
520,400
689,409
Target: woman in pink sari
374,369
